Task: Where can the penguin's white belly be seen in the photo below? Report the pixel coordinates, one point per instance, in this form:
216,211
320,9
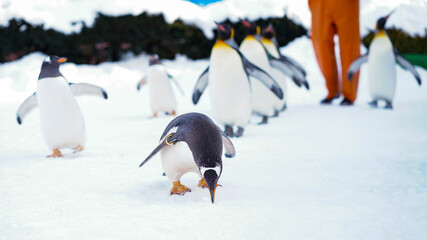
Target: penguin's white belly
263,99
229,87
162,97
60,116
271,48
382,69
177,160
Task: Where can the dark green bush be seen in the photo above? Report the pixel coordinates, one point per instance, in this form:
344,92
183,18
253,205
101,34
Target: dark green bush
111,37
404,42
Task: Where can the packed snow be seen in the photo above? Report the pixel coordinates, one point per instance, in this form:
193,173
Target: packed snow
315,172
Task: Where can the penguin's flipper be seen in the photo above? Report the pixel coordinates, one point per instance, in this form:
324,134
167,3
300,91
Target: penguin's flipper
167,140
26,107
201,85
405,63
79,89
256,72
141,83
355,65
289,70
230,152
176,84
293,63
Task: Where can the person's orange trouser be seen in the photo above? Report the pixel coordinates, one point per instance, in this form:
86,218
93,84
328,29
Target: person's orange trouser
330,17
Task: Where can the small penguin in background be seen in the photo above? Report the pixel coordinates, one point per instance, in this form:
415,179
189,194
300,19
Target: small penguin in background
193,143
162,97
230,88
289,67
381,58
60,116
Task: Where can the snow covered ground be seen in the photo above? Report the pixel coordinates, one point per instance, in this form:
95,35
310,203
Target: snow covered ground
316,172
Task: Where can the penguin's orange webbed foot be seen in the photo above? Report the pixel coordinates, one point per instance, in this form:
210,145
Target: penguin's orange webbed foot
179,189
77,149
203,184
154,115
173,113
56,153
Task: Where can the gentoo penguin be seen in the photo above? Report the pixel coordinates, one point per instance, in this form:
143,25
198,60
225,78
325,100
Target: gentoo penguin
162,97
193,143
288,66
381,58
60,116
228,76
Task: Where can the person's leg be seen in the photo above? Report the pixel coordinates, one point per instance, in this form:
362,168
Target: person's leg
322,36
347,21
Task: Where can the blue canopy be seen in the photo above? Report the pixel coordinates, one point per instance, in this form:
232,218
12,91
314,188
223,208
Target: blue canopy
203,2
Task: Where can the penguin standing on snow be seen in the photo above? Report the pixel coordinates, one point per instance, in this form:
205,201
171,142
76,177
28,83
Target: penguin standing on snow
228,76
60,116
193,143
262,100
381,58
289,67
162,97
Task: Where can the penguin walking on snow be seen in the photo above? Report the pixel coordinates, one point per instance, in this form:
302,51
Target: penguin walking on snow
193,143
162,97
60,116
381,58
290,69
251,47
228,76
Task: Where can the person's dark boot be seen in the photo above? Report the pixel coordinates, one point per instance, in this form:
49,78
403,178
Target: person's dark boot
327,100
346,102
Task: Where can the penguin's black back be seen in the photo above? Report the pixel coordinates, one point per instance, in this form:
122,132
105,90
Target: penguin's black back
202,136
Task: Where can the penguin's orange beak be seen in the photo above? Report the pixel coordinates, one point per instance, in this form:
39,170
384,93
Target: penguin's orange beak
61,60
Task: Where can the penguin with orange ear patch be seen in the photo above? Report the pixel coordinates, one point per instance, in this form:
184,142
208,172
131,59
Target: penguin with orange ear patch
193,143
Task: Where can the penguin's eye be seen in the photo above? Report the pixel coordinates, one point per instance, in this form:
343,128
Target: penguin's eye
48,59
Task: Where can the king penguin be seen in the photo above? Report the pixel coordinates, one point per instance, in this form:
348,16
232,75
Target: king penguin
193,143
290,69
251,47
60,116
230,88
162,97
381,58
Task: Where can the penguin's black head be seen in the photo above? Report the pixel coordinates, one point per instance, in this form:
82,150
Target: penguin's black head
154,59
50,66
251,27
381,21
54,60
211,176
269,32
225,31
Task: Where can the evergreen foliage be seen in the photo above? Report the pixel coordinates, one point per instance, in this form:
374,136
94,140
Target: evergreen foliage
404,42
111,37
